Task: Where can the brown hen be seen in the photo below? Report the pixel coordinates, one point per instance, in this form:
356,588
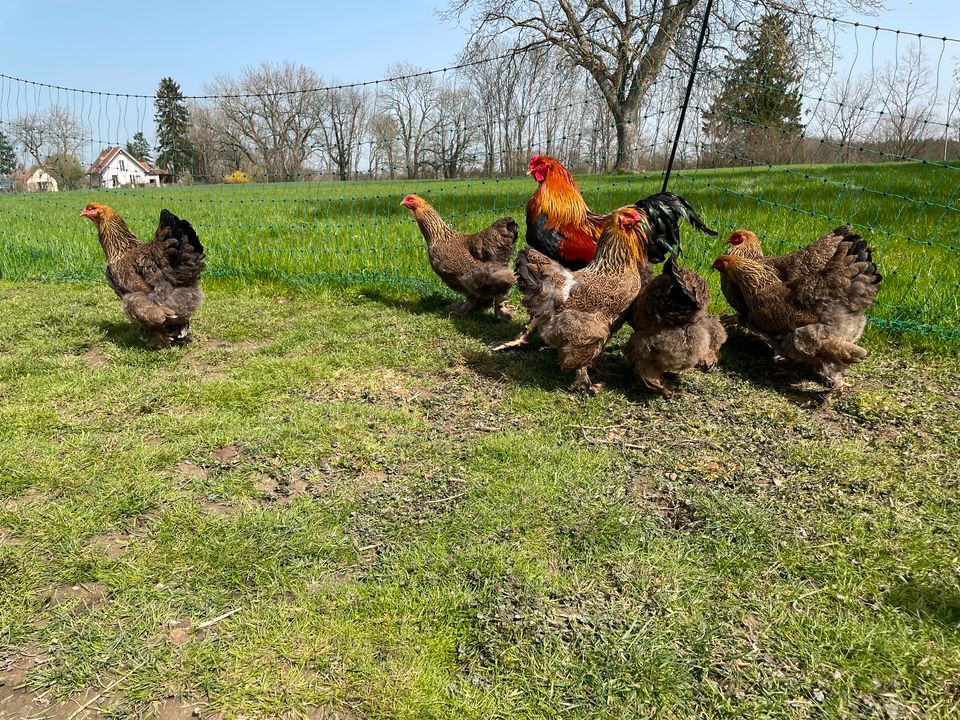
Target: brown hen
158,282
815,316
574,311
806,260
672,329
475,265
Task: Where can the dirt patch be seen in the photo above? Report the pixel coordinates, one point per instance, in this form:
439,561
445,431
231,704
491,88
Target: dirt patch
14,504
178,632
9,539
227,455
82,597
243,345
283,489
212,507
17,701
110,544
675,511
174,709
94,357
191,470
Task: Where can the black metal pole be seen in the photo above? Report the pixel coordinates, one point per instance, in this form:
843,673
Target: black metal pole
686,98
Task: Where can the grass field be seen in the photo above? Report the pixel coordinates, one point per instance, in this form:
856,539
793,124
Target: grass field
357,232
338,504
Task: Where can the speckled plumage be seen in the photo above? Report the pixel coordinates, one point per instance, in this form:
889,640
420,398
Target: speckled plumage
157,282
574,311
816,315
672,329
805,260
475,265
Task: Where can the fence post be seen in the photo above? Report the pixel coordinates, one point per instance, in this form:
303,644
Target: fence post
686,97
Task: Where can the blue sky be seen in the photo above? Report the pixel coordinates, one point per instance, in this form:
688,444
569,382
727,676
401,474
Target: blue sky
129,46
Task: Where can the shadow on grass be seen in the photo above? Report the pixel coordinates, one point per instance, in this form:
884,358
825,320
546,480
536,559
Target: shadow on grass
538,365
748,357
929,601
480,324
122,334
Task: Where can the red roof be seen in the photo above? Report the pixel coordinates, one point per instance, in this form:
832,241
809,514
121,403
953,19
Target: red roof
109,154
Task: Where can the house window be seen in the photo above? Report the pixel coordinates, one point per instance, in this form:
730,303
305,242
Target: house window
116,180
122,166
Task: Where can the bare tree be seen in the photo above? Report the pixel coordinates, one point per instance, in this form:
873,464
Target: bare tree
844,111
455,131
345,113
907,99
31,132
384,145
64,135
623,44
410,99
273,115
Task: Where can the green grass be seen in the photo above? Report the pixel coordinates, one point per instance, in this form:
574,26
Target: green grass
357,233
411,527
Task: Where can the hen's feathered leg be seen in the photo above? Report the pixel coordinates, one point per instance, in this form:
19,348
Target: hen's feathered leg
582,383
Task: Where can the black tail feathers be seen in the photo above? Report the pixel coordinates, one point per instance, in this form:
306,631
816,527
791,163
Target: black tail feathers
664,211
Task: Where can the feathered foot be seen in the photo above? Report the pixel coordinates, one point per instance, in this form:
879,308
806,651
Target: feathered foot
660,385
464,307
503,311
729,320
181,335
156,340
709,364
583,384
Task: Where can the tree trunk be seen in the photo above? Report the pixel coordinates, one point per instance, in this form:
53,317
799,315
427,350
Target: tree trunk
628,141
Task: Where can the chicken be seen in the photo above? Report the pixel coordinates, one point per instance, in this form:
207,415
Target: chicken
476,265
816,314
158,282
561,226
574,310
813,257
672,329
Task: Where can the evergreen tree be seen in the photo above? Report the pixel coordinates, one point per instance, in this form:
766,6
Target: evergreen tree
8,155
139,148
172,118
756,114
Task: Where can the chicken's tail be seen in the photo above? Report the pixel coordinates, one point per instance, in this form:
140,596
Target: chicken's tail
181,230
527,280
864,276
684,295
664,212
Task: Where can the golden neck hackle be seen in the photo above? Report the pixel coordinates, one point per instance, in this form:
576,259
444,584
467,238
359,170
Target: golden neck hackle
431,224
559,199
617,249
115,237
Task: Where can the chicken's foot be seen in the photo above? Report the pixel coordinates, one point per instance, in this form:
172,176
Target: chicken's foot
583,384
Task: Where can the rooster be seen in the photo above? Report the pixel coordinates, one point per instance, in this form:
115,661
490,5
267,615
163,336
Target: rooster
806,260
814,315
561,226
672,329
158,282
575,310
476,265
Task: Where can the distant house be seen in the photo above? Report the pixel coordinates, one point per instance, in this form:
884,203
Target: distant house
115,167
41,181
7,183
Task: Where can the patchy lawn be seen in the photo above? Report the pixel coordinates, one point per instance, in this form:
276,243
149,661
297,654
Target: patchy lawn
335,505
